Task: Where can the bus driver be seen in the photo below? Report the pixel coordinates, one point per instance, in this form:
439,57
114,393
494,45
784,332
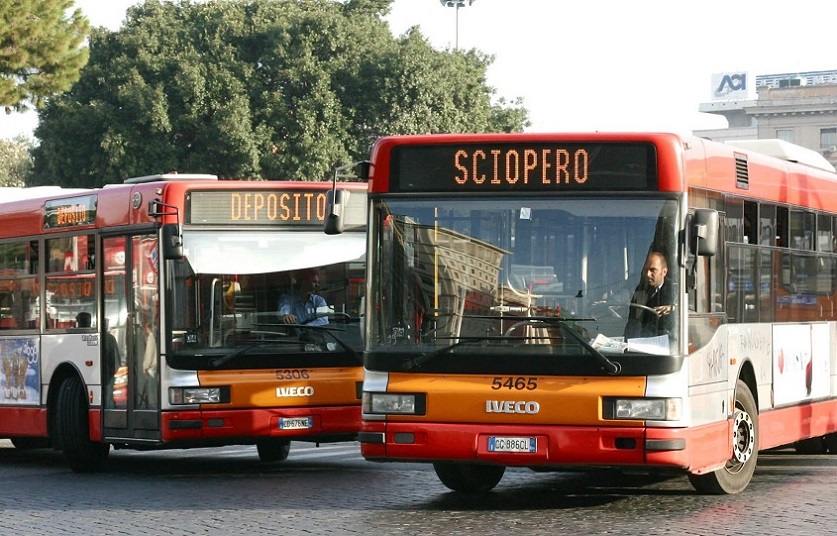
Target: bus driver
304,305
652,302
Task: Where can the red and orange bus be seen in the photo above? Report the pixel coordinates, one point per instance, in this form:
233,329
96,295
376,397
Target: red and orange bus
501,272
146,315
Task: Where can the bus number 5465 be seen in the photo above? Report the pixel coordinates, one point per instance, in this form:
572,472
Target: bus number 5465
518,384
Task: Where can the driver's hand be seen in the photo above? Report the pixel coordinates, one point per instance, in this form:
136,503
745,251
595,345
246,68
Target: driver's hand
289,319
664,309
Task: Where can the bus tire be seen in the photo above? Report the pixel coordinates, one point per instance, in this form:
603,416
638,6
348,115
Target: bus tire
469,477
736,474
73,429
273,450
831,442
812,445
29,443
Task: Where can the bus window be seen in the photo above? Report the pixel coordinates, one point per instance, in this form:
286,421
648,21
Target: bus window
751,228
734,220
17,308
457,270
71,283
766,291
782,226
742,285
767,225
825,235
802,230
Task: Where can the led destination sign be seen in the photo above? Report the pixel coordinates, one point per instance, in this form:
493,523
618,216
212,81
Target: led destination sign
520,167
70,212
257,207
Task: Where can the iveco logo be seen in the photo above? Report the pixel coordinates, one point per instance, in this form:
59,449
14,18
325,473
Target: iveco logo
510,406
294,391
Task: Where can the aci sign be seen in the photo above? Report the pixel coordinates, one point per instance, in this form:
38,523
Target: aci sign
729,86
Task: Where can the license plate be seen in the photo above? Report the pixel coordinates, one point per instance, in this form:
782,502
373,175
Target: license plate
512,444
296,423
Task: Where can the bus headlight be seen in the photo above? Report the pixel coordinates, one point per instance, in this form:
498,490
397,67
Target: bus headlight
198,395
394,403
644,409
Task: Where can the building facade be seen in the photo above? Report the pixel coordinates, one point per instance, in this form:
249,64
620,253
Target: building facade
799,108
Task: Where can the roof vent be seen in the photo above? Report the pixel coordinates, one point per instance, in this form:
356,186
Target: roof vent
172,177
742,172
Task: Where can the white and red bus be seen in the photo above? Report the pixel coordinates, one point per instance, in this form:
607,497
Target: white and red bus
501,271
146,315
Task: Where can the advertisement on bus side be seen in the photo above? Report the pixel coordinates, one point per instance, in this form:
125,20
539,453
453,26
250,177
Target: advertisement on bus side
20,376
801,364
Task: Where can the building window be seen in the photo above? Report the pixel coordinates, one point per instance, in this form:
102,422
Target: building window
785,134
828,137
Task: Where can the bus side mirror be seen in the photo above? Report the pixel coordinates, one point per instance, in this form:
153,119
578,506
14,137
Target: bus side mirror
705,232
335,204
172,242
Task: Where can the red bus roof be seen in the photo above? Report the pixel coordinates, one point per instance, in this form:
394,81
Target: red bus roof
127,204
682,162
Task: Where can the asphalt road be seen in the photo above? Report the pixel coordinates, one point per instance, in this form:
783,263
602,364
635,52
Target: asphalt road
332,490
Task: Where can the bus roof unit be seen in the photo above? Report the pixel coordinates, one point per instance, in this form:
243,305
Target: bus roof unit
785,151
172,177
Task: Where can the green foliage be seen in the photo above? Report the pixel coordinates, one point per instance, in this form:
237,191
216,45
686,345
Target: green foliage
40,50
15,161
256,89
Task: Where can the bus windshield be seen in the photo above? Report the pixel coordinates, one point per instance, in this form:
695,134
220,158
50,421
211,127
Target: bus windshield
529,276
265,293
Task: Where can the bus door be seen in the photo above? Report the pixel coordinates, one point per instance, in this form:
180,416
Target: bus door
131,324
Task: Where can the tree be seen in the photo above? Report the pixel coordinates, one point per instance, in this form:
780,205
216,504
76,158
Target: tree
15,161
40,50
256,89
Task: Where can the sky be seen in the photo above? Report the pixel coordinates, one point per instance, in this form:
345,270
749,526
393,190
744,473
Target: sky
605,65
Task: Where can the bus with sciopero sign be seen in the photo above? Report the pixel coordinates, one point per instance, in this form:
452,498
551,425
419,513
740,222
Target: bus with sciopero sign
626,301
146,315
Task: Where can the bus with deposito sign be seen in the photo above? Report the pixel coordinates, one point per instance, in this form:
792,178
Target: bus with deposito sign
146,315
506,273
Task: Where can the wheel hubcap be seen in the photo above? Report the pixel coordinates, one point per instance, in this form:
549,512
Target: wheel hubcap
743,438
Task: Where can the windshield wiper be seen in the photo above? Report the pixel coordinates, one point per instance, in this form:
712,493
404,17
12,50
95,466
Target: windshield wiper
424,358
218,361
610,366
330,332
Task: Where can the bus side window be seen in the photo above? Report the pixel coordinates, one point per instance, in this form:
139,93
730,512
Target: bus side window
70,283
824,233
7,320
751,222
782,227
767,225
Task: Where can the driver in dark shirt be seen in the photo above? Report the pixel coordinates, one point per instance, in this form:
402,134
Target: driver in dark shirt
652,303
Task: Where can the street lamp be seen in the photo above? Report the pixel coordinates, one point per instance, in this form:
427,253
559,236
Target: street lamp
457,4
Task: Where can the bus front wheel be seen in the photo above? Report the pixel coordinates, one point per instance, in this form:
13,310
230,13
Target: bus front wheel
28,443
469,477
73,429
738,471
273,450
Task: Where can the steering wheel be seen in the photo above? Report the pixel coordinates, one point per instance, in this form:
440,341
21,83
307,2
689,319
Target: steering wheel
604,309
644,307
